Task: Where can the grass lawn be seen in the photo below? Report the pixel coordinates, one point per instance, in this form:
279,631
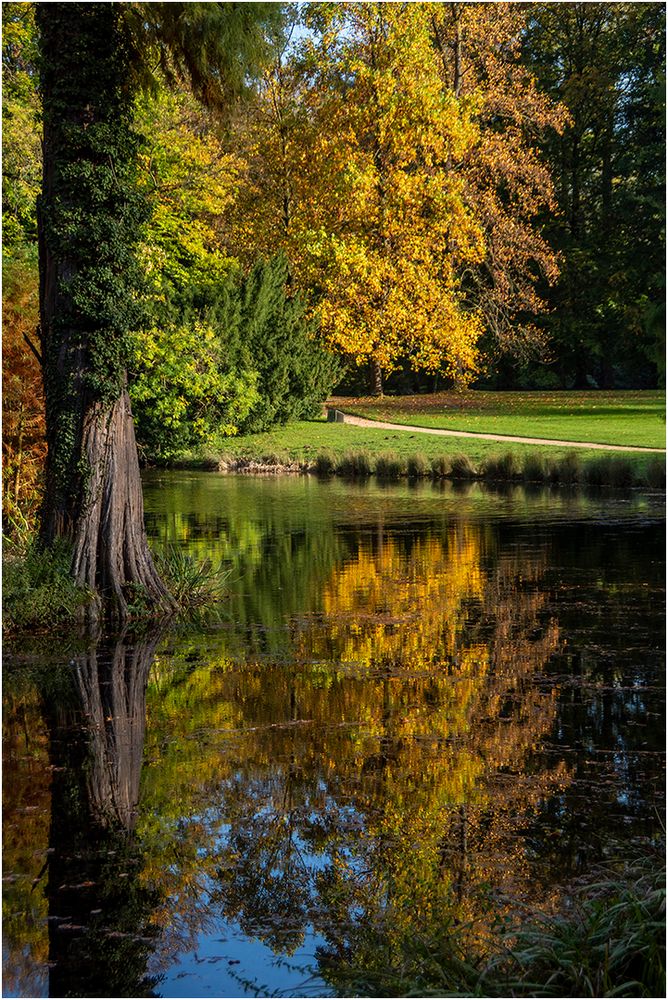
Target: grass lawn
623,417
303,440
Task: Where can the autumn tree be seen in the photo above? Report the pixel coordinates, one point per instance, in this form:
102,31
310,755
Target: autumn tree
393,155
507,183
22,398
93,58
388,230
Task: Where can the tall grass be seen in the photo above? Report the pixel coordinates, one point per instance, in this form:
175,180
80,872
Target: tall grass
566,470
534,468
655,474
38,591
610,470
193,584
461,467
611,943
440,467
503,467
355,465
390,466
607,940
325,463
418,466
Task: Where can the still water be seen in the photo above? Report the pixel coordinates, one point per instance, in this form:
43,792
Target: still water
418,702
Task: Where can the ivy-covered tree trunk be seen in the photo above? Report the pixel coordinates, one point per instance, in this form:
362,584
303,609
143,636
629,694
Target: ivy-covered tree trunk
89,219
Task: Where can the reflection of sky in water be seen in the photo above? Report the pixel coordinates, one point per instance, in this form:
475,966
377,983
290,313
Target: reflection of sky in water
38,986
225,963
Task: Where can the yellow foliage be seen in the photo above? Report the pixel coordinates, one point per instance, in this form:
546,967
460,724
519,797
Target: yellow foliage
389,228
403,181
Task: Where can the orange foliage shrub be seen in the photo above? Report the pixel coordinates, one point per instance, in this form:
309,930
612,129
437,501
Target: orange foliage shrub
23,440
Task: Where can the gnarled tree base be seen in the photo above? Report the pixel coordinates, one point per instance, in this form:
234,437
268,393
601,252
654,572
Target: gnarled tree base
111,553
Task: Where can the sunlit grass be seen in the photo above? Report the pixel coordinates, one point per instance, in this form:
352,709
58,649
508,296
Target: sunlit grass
303,441
343,449
624,418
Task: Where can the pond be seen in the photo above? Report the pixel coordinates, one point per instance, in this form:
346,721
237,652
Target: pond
418,703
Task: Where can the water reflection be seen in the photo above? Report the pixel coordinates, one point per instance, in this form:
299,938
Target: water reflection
409,711
387,772
93,714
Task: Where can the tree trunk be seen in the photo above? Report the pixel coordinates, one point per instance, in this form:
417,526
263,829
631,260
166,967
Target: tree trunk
376,379
89,217
111,553
457,49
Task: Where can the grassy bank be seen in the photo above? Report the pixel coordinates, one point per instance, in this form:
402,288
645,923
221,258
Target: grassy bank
38,592
342,449
623,418
40,596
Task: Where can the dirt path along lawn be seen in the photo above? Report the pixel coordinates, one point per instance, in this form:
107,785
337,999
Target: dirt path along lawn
347,418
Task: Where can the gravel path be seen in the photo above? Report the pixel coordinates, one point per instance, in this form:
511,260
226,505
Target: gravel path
347,418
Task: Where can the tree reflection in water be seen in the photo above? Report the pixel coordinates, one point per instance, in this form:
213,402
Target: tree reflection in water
403,794
99,914
427,721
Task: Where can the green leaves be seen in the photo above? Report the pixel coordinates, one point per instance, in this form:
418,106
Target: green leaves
184,393
215,47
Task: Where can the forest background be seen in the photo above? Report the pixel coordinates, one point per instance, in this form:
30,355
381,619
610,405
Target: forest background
412,196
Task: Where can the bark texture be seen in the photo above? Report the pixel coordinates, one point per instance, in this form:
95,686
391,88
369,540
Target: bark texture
111,553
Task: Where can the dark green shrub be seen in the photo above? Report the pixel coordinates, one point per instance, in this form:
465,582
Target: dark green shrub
223,355
417,466
390,466
295,373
